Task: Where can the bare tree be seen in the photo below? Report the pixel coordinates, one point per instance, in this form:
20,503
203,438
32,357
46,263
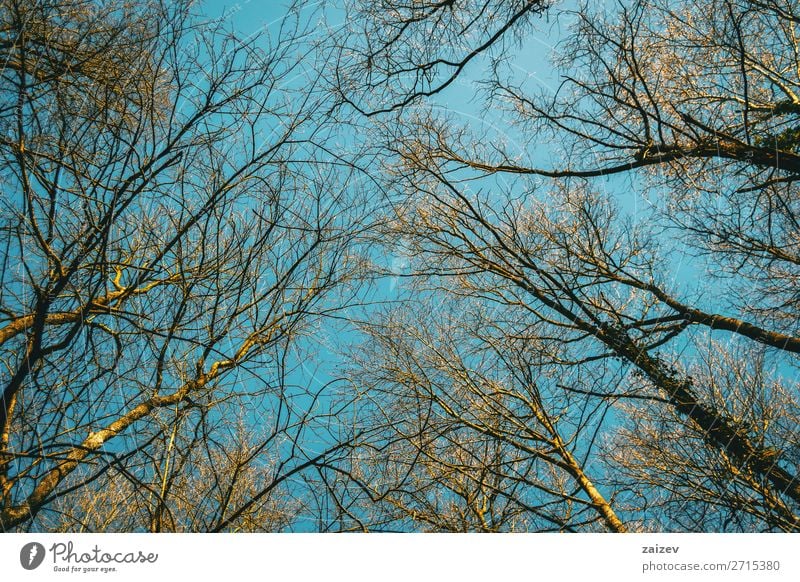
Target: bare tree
170,231
476,434
396,52
681,484
578,274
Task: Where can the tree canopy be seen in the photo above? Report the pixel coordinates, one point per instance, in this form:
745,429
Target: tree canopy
570,307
